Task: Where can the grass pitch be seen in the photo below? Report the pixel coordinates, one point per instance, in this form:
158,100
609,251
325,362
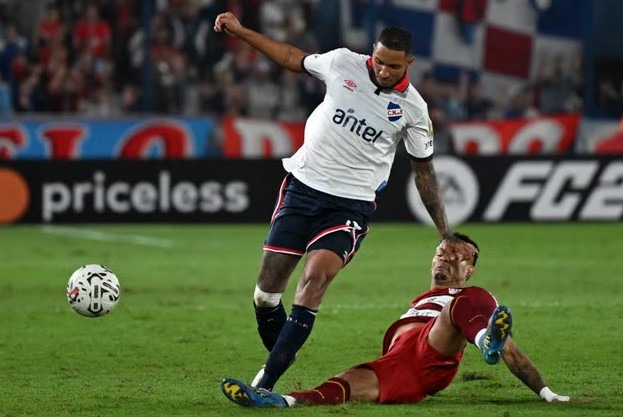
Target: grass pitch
185,319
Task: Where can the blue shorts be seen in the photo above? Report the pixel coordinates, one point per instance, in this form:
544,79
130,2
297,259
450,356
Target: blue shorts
305,219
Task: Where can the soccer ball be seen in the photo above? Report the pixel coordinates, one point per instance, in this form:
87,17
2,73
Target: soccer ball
93,290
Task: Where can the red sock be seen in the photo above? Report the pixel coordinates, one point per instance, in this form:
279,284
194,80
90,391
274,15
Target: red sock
471,315
334,391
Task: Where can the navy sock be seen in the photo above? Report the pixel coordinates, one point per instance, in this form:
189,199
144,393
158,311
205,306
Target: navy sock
295,332
270,321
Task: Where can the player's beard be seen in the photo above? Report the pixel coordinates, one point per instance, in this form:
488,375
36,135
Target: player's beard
441,276
384,83
441,272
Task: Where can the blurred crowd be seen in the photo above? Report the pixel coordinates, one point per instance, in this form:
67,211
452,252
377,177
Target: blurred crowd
94,58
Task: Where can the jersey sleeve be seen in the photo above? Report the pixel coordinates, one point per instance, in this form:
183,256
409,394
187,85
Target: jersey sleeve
322,65
483,298
419,137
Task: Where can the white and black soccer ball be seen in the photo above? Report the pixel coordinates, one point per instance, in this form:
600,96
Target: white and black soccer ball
93,290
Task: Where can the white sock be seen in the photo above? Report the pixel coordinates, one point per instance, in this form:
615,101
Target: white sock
290,400
258,377
480,339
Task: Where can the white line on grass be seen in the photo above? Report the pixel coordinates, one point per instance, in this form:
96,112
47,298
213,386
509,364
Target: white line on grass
107,237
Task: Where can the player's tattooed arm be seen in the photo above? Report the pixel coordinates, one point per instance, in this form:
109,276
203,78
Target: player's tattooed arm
282,53
287,58
522,367
426,183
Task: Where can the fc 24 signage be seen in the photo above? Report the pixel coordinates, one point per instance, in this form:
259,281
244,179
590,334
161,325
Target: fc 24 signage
498,189
561,190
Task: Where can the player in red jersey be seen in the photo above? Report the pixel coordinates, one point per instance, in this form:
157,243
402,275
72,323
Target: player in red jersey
423,349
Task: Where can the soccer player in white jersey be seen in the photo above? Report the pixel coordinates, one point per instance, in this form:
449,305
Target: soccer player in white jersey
328,196
423,349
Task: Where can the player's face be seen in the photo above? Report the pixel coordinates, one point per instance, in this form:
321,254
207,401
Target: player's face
452,263
389,65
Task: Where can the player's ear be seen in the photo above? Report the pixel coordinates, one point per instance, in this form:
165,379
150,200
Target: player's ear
469,271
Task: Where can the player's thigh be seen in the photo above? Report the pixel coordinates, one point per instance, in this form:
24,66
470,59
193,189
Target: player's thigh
293,219
444,336
340,232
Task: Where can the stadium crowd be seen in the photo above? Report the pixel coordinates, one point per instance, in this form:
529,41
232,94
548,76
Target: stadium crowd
93,58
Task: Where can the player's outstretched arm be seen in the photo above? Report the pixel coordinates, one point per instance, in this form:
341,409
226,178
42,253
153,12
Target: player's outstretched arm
282,53
428,188
523,368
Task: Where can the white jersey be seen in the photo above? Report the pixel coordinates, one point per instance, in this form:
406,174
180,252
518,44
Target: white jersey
352,136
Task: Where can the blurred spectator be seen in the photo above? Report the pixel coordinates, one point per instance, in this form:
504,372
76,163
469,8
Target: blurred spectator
290,101
100,104
521,103
211,99
32,97
49,34
24,14
263,93
13,61
273,16
443,138
429,89
92,34
190,35
130,100
451,102
312,93
477,105
169,74
90,56
12,46
6,100
609,98
556,86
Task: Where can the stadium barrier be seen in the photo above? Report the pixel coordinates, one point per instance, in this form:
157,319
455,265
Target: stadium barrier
475,189
238,137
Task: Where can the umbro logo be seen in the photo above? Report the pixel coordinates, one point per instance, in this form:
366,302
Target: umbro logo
349,85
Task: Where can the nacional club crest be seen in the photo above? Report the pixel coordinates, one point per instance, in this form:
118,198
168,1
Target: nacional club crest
394,112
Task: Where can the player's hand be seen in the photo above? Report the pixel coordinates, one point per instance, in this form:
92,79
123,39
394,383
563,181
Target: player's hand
228,23
559,399
462,248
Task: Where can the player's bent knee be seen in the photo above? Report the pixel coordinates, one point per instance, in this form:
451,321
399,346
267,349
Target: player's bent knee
266,299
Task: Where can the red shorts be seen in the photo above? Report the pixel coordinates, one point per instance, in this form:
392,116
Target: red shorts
411,369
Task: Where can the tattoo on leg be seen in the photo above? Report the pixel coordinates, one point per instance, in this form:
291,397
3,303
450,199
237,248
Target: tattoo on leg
276,270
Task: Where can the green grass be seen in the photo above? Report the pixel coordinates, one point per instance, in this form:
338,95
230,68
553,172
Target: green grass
185,320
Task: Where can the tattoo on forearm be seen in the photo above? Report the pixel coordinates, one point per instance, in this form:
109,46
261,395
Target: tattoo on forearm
521,366
286,59
426,183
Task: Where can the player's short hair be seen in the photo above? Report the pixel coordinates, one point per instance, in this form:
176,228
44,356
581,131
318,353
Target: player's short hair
469,240
397,39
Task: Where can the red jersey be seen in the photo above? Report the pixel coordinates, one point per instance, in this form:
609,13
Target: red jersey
94,36
428,305
411,369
